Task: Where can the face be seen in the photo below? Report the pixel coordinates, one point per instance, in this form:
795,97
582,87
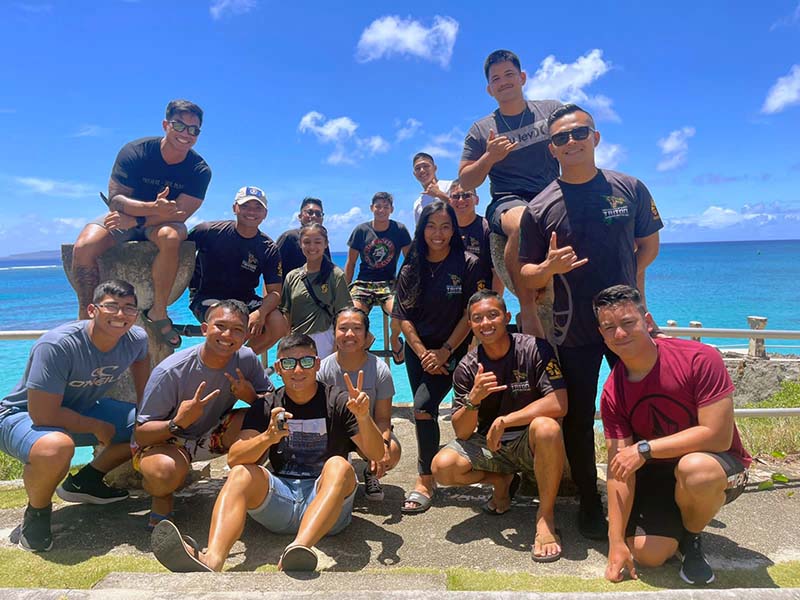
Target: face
438,231
625,330
110,316
505,82
424,171
350,332
251,213
298,379
463,203
381,210
181,141
225,331
488,320
313,245
311,213
574,152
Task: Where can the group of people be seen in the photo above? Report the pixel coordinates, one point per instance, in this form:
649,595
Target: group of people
521,404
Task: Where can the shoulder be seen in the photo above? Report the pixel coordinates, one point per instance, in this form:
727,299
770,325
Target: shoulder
549,195
688,351
180,359
197,162
288,236
544,107
329,365
293,276
137,335
337,272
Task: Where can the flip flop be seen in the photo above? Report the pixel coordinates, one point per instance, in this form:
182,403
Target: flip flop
170,337
422,501
298,558
512,491
154,519
546,539
169,548
399,356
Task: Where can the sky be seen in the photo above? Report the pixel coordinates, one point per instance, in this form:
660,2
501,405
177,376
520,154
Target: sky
699,100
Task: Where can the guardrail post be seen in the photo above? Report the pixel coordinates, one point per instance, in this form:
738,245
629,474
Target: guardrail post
756,347
696,325
671,323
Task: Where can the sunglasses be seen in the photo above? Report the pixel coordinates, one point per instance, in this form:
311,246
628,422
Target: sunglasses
289,364
313,213
577,134
114,308
180,127
464,195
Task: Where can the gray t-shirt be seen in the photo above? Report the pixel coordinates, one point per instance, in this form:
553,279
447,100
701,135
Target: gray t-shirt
378,383
65,361
530,167
176,378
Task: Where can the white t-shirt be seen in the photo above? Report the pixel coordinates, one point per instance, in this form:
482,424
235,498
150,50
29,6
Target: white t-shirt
425,199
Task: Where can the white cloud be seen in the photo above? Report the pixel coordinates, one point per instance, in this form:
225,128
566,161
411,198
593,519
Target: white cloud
375,144
341,132
75,222
566,82
392,35
758,221
785,92
91,131
345,221
56,188
608,156
446,145
332,130
408,129
220,8
788,20
675,148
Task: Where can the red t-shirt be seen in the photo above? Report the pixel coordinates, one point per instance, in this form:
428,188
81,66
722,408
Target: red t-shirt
687,375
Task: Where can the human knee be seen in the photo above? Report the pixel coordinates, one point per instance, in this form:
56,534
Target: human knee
545,432
162,475
167,238
698,473
54,450
338,469
444,466
90,244
240,477
648,553
277,325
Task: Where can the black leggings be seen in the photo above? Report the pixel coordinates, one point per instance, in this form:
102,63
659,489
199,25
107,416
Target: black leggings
429,391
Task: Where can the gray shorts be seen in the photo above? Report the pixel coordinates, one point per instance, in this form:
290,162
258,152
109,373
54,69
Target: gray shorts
498,206
137,234
512,457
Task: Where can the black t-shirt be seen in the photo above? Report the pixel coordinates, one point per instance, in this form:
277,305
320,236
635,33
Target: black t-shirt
601,220
319,429
141,166
476,241
446,287
229,265
379,251
529,369
292,256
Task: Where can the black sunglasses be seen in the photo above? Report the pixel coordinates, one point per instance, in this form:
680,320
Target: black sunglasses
464,195
577,134
180,127
289,364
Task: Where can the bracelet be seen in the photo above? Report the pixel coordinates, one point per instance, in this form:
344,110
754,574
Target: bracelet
471,406
447,347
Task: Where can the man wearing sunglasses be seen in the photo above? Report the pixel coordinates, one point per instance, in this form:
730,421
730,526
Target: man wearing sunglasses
62,402
588,230
306,429
156,184
292,256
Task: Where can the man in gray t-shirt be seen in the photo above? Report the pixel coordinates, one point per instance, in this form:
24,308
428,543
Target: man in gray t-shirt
62,402
510,147
187,412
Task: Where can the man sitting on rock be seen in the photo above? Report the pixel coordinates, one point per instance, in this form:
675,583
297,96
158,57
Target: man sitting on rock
187,413
62,402
307,430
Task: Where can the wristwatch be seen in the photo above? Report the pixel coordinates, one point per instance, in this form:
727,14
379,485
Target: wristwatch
174,428
644,449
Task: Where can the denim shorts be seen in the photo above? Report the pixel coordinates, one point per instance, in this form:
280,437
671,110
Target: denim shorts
18,434
287,501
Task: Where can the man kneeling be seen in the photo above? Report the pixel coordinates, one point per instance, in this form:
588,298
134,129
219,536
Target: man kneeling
307,429
674,454
508,394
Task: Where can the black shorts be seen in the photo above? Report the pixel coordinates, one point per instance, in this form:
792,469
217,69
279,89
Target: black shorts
655,511
500,204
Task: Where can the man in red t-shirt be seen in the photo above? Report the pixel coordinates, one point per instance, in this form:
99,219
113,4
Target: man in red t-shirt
674,453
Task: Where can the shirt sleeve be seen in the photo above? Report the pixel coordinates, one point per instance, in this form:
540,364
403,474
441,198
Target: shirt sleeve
199,235
49,371
286,296
405,237
615,425
140,337
258,415
356,240
256,375
463,380
532,245
474,145
549,376
341,293
272,271
711,379
347,420
161,395
648,221
401,294
125,170
384,387
197,184
474,278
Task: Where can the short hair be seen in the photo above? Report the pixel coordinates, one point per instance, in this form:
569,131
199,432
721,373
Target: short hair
486,294
309,200
114,287
500,56
296,340
457,183
235,306
615,295
563,111
382,196
424,155
352,309
176,107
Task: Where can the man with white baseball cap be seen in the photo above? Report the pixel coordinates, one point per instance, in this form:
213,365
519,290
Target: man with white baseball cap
231,258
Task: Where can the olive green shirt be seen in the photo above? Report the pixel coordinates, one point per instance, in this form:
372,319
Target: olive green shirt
303,313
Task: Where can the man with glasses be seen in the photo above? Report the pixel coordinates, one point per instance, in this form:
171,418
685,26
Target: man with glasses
306,429
292,256
156,184
187,413
433,188
588,230
62,402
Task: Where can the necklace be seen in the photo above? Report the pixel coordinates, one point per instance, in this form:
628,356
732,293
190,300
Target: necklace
521,119
434,270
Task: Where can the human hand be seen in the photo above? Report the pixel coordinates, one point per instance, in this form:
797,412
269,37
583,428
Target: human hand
118,220
273,432
563,260
499,146
358,401
255,323
104,432
241,388
625,463
495,434
484,385
164,207
380,467
432,189
192,409
619,558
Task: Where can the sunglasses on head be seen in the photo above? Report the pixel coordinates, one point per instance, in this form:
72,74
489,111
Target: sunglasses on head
289,364
180,127
464,195
577,134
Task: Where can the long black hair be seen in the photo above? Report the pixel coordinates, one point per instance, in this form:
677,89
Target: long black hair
415,265
326,268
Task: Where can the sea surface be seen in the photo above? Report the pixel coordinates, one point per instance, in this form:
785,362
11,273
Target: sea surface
718,284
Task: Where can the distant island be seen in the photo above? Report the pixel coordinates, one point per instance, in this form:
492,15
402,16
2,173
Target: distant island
40,255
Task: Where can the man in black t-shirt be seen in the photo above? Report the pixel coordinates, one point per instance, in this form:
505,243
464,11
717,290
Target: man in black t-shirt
288,243
310,490
508,395
156,184
588,230
378,244
231,258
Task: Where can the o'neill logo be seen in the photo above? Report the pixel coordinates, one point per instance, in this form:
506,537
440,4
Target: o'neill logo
100,376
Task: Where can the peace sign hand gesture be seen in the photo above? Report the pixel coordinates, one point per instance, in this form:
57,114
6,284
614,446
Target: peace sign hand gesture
192,409
241,388
358,401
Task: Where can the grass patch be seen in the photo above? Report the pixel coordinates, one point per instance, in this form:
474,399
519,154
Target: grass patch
767,435
10,467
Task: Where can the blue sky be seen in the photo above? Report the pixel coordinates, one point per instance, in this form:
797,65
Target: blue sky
700,100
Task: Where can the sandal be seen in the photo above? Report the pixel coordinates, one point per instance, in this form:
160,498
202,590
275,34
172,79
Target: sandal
422,502
543,540
169,547
512,491
170,336
154,519
298,558
399,356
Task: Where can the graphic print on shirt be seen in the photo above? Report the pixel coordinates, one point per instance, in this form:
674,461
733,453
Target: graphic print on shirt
250,263
661,416
379,252
618,208
100,376
305,448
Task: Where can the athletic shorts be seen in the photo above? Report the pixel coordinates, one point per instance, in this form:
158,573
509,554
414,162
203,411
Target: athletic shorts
655,511
137,233
287,501
371,293
199,305
498,206
512,457
18,434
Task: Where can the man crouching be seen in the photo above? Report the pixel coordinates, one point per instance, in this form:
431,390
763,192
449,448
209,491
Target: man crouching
307,429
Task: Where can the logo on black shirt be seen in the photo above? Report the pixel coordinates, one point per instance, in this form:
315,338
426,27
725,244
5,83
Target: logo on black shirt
619,209
553,369
250,263
379,253
454,287
520,383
